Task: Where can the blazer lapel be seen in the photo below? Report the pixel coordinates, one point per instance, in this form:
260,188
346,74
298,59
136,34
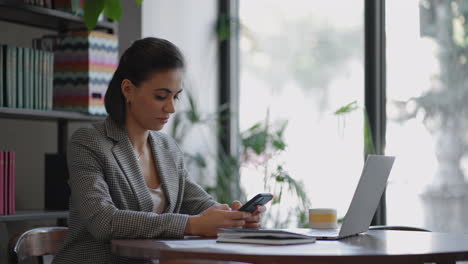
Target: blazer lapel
167,171
125,156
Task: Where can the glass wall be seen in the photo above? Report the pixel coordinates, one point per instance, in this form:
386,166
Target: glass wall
301,61
427,92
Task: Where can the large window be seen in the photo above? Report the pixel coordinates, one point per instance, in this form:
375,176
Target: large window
301,61
427,90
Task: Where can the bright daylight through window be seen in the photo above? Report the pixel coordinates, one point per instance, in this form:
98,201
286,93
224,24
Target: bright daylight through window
301,61
427,91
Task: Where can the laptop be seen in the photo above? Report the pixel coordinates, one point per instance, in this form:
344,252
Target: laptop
365,200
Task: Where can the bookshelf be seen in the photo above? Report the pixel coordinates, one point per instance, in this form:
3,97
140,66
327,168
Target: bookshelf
17,12
34,215
62,118
32,114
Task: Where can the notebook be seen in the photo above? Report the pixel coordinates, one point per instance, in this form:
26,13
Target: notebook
265,236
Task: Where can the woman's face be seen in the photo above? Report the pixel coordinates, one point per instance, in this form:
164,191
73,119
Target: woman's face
153,102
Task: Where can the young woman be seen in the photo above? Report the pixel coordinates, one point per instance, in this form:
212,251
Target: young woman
127,179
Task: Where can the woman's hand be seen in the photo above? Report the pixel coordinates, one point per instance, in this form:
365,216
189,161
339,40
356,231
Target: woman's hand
207,223
254,221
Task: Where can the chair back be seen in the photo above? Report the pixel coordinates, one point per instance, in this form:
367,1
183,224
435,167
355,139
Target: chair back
38,242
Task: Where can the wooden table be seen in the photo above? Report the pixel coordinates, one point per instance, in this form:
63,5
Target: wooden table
372,247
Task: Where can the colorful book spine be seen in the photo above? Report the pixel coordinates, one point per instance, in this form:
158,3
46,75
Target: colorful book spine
10,70
19,77
40,87
27,81
36,79
50,83
2,76
2,184
6,177
11,183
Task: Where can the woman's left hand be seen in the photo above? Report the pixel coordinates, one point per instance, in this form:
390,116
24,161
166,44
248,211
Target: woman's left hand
255,220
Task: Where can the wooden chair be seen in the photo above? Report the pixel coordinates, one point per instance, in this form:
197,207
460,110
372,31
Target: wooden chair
37,242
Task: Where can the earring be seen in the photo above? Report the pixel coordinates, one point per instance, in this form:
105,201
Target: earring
128,101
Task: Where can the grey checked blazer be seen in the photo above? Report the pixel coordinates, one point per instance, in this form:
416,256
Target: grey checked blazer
110,199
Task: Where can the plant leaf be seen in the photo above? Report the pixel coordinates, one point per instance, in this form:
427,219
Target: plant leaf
279,144
254,127
223,27
257,142
139,2
347,108
192,113
113,9
199,160
92,10
369,147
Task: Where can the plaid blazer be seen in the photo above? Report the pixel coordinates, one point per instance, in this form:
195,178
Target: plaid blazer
110,199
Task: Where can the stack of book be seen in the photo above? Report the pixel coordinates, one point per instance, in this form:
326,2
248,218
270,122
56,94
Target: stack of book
71,6
84,64
26,77
43,3
7,182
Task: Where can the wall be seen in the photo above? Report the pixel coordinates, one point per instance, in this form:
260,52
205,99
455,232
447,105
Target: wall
129,25
191,26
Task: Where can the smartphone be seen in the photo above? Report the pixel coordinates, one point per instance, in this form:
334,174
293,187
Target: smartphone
259,199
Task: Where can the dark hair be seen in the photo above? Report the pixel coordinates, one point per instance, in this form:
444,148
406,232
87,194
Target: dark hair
138,62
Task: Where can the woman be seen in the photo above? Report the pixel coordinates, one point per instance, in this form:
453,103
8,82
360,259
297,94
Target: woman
129,181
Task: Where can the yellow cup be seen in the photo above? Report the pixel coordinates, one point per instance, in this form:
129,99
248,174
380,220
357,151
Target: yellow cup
323,218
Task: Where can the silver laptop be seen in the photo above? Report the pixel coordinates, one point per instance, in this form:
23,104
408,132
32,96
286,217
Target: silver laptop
365,200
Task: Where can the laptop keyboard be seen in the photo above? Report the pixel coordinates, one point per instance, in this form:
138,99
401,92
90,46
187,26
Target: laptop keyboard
325,232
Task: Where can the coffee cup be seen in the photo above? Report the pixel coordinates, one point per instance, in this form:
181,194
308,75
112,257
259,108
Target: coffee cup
323,218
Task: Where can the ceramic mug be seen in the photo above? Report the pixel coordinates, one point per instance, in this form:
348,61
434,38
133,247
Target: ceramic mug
323,218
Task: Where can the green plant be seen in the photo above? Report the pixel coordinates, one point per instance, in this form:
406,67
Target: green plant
111,8
369,146
226,165
262,145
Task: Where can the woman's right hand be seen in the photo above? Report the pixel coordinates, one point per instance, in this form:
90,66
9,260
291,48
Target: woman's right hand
208,222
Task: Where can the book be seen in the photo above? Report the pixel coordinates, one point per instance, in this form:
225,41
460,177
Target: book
50,80
6,175
11,183
40,76
19,77
36,83
10,75
265,236
2,186
27,81
2,69
57,191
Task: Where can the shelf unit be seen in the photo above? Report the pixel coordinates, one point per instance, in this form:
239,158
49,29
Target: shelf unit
62,118
34,215
17,12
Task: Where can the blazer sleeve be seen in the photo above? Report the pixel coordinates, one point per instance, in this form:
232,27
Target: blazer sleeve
91,198
196,199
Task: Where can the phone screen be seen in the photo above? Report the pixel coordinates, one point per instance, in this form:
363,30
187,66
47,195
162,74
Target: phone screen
259,199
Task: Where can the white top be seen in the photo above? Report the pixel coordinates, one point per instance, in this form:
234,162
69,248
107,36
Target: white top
159,199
